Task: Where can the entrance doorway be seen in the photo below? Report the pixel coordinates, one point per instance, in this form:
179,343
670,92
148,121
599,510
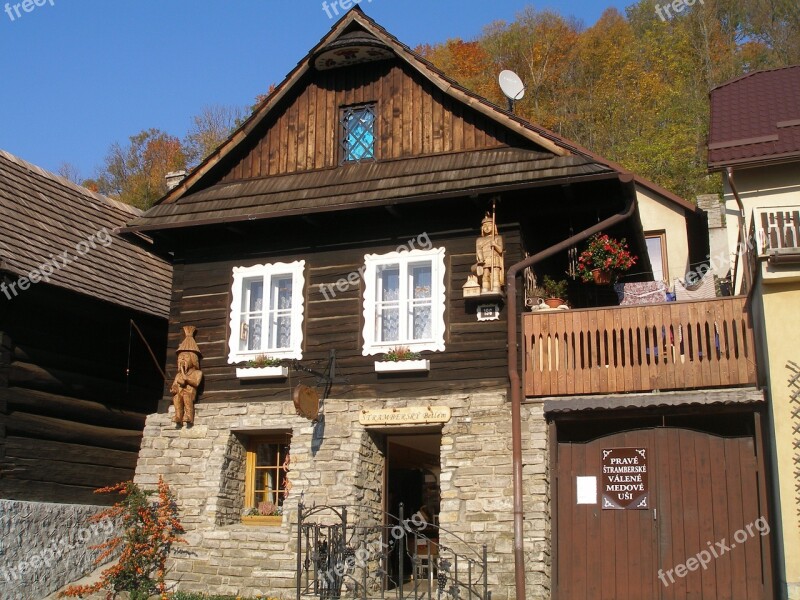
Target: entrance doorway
412,474
412,479
699,529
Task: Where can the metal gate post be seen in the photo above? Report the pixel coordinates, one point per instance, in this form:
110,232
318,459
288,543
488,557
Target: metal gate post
299,548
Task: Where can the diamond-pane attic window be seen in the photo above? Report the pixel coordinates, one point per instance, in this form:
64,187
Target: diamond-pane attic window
358,133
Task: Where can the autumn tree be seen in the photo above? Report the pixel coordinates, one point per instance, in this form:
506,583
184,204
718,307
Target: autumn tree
70,172
210,129
466,62
135,173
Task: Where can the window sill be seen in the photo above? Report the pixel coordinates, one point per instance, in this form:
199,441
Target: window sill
402,366
261,521
279,372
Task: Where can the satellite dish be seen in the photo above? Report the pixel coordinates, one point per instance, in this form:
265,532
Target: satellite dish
512,87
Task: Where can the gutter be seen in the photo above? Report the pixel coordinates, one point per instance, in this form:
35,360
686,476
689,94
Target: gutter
513,364
746,274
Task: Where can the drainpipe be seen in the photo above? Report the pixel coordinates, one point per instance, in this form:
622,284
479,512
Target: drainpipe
513,365
746,274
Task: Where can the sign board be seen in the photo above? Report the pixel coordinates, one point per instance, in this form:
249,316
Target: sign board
422,415
488,312
624,479
586,490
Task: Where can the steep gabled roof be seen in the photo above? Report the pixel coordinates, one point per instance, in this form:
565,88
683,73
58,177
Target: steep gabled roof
42,216
202,180
755,118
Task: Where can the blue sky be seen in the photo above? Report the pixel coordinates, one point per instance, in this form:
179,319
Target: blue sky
77,75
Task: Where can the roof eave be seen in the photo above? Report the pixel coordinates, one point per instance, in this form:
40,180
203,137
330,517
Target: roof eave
759,161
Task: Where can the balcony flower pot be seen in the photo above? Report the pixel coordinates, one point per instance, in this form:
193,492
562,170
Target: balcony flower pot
279,372
402,366
601,276
604,259
554,302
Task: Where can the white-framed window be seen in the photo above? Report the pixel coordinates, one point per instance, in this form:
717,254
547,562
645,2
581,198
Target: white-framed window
267,311
404,300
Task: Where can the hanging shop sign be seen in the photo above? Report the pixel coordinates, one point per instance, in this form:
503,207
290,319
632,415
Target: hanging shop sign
624,479
423,415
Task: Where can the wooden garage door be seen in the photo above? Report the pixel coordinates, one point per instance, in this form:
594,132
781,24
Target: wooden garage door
704,492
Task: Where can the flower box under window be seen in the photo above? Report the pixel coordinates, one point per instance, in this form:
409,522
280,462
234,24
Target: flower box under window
263,521
279,372
402,366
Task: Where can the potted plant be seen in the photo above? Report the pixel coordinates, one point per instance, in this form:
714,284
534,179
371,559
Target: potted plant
263,367
604,259
555,291
401,359
266,513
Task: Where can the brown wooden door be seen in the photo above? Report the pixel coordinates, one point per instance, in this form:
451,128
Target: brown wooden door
704,489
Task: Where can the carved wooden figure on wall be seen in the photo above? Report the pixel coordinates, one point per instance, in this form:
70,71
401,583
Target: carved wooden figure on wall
188,379
490,254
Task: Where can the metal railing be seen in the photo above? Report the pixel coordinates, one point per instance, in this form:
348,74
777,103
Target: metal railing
379,555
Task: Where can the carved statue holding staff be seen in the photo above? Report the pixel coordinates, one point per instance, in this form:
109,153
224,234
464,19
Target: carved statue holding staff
188,379
490,253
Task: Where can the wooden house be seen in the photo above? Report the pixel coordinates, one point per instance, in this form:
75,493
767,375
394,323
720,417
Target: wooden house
76,377
336,229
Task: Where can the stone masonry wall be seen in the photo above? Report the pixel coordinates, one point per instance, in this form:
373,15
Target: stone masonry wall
339,461
45,546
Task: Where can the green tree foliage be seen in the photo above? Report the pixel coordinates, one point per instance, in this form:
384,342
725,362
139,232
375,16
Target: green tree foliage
632,88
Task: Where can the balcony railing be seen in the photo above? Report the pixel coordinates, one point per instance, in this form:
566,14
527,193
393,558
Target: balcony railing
776,228
672,346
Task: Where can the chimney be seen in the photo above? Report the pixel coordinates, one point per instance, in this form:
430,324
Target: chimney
174,179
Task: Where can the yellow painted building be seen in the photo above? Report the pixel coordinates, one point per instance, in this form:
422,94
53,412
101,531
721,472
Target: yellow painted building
755,142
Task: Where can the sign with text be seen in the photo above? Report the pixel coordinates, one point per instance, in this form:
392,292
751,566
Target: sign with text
405,416
624,479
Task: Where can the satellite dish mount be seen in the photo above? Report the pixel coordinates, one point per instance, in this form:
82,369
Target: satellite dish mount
512,87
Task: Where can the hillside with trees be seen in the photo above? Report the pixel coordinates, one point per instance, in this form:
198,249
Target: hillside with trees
632,88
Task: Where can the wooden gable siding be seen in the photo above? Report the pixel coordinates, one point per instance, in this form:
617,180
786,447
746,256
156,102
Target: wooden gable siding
414,118
475,351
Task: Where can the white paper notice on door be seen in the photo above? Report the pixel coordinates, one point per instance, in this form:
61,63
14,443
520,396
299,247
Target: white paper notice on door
587,489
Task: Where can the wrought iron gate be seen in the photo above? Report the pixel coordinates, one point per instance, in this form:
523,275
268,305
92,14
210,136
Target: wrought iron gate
379,555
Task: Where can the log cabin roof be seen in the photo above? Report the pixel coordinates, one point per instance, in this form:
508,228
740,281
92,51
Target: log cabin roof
43,215
204,198
369,184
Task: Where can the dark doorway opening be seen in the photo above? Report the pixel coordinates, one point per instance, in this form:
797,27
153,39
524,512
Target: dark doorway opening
412,479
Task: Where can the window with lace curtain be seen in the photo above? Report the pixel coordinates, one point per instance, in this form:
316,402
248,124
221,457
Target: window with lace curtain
267,311
404,298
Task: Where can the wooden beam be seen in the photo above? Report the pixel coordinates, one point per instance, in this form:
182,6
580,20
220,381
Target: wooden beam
76,385
59,430
74,453
72,409
40,491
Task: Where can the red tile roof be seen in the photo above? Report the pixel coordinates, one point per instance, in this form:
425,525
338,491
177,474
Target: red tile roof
755,118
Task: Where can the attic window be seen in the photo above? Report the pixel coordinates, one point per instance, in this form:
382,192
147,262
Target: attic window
358,133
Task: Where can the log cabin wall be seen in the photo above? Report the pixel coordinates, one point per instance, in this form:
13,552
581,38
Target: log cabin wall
74,421
5,361
475,355
414,118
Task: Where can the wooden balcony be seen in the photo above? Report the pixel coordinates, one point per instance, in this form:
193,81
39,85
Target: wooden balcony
775,228
671,346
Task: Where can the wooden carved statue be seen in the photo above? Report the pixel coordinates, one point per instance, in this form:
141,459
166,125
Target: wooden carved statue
188,378
489,250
